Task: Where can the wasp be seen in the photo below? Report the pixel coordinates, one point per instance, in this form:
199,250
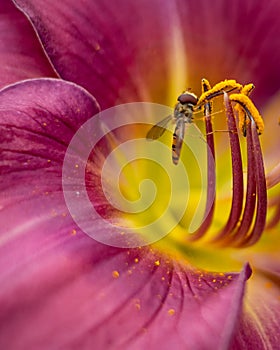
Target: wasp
182,115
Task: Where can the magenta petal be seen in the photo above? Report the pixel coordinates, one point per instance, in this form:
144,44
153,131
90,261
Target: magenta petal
61,289
126,50
38,118
21,55
103,47
214,48
206,311
87,295
259,327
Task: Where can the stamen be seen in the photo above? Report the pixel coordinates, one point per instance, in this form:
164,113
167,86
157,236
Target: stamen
208,106
211,177
258,170
218,89
237,173
250,109
250,203
247,217
205,85
246,90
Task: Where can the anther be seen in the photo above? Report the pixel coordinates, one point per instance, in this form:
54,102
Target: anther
205,86
249,109
246,90
219,89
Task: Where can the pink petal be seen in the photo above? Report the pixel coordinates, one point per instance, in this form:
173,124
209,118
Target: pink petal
259,326
102,52
131,50
216,47
38,120
21,56
61,289
86,295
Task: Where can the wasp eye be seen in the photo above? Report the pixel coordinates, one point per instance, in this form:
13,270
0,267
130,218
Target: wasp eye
188,97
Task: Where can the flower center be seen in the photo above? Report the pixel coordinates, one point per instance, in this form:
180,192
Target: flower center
191,199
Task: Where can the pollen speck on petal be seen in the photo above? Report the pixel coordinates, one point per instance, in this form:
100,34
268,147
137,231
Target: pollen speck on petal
115,274
171,312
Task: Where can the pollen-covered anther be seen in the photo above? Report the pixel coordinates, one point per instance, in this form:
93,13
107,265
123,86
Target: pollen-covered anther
247,89
250,110
208,106
218,89
243,121
205,85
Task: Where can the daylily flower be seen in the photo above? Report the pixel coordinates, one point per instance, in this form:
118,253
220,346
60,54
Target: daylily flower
61,289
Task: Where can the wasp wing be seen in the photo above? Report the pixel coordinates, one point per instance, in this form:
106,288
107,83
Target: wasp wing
178,138
157,130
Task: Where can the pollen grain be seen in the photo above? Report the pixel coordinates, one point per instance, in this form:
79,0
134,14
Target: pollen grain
115,274
171,312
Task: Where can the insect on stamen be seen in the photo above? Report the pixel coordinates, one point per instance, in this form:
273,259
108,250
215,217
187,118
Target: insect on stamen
182,115
188,102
